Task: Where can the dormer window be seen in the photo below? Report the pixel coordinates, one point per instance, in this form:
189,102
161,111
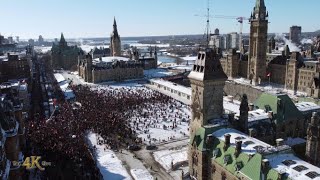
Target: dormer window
199,56
203,56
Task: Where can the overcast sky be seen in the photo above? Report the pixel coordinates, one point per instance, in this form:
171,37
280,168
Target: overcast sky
94,18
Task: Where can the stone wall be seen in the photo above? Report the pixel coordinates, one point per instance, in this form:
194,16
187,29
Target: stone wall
237,90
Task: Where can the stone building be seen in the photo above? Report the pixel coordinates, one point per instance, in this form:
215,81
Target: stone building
12,125
14,66
258,43
296,71
148,60
218,152
64,56
111,68
115,43
313,140
207,81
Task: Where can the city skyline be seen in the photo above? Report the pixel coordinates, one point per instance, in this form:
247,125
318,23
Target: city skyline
95,18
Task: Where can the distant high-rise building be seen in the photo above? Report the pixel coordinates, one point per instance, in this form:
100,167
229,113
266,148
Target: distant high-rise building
17,39
1,39
231,41
10,40
234,41
295,34
115,43
40,40
216,31
56,41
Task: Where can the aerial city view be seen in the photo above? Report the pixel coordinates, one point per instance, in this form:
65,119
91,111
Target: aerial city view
159,90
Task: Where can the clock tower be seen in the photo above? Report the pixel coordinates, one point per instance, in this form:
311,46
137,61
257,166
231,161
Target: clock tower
258,43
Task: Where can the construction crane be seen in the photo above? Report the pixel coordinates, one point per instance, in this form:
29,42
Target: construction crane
240,20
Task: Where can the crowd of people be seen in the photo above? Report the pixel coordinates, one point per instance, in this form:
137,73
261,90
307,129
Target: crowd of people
103,110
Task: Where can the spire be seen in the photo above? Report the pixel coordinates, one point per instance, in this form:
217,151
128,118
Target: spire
260,3
114,22
115,29
62,38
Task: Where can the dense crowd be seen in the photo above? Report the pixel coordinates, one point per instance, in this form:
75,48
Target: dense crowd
104,111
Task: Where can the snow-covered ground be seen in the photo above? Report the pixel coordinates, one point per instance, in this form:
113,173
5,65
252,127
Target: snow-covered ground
166,157
108,163
163,122
139,174
154,123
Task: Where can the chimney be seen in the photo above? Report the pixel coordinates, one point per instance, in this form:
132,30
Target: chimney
238,148
279,142
209,140
270,114
265,165
226,141
252,132
251,107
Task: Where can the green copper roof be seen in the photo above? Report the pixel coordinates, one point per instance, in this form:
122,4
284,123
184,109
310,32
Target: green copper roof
281,105
253,168
233,160
201,135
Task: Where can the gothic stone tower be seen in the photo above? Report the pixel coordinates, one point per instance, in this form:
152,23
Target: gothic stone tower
115,43
258,43
88,68
207,82
313,140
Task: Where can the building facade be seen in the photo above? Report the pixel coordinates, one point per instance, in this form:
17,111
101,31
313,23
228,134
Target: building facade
14,66
207,81
295,34
64,56
296,71
108,69
258,44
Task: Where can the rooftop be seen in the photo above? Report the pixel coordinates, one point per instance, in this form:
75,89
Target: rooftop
110,59
295,168
281,159
174,86
249,145
307,106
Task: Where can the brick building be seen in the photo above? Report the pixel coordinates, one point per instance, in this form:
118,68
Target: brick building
14,66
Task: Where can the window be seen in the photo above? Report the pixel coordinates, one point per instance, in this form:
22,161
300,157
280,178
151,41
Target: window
312,174
227,159
239,138
300,168
216,152
248,142
238,166
288,162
